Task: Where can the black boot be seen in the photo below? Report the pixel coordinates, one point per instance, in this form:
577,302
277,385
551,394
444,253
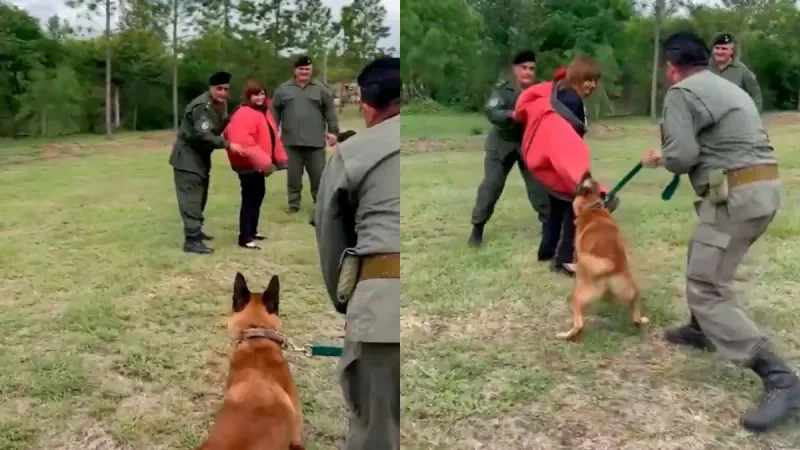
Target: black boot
196,246
689,335
476,237
781,393
206,237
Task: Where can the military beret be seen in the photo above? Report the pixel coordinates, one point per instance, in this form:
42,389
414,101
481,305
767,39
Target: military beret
219,78
722,38
525,56
685,49
380,82
302,61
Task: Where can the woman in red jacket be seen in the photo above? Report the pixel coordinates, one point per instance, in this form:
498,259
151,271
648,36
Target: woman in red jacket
254,129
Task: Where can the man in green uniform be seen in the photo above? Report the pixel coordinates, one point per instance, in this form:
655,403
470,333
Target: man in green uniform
199,135
357,223
304,109
713,132
503,148
726,64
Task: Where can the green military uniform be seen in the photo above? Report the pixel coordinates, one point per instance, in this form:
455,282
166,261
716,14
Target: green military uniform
739,74
198,136
357,221
305,114
502,153
713,133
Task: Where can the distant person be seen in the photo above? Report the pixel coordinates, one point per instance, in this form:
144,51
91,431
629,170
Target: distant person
357,223
199,135
713,133
304,109
254,129
502,148
725,63
573,87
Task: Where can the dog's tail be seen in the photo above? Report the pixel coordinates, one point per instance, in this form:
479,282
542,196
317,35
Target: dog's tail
596,265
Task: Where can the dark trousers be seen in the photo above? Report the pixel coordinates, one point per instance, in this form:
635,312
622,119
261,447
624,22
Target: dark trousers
496,167
253,191
558,233
311,159
192,192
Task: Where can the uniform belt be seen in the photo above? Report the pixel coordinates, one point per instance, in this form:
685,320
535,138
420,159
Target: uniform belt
752,174
380,266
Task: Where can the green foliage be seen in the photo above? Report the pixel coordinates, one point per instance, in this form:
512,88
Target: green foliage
454,50
250,38
425,107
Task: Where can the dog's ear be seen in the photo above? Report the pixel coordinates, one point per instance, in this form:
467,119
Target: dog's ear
272,295
586,185
241,295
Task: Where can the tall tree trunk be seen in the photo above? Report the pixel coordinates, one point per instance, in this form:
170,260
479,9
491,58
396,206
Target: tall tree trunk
135,115
659,10
175,64
108,69
116,108
43,120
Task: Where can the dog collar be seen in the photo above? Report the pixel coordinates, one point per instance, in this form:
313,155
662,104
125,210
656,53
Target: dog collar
264,333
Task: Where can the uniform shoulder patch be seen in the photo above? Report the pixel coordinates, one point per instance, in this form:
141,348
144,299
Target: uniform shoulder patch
205,125
500,83
494,102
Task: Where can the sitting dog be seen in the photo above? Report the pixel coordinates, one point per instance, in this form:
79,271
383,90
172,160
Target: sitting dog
260,410
602,263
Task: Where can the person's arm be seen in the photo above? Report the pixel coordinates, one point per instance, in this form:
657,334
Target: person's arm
203,128
679,148
329,111
751,87
263,139
329,222
498,112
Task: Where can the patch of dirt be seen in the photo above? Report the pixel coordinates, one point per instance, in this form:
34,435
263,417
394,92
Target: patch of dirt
783,119
426,146
89,435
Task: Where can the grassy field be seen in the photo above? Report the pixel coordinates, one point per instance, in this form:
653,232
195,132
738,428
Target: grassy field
112,338
481,367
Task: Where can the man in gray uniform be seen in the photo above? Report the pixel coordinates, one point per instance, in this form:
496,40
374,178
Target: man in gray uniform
304,109
713,132
726,64
503,148
203,122
357,223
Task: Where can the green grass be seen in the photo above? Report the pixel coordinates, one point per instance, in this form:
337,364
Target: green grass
481,366
112,338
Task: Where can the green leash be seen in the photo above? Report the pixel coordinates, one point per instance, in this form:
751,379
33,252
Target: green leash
322,350
666,194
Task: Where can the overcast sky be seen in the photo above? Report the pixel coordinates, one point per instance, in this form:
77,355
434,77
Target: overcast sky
44,9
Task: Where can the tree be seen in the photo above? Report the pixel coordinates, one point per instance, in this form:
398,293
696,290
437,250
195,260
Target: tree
107,8
51,102
362,27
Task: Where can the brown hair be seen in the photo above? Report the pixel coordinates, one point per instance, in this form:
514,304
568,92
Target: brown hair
251,88
581,69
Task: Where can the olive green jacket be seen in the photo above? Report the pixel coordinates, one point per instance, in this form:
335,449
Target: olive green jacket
506,134
739,74
711,126
198,136
305,113
358,211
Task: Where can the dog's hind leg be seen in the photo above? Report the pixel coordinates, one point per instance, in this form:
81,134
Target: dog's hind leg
624,289
581,295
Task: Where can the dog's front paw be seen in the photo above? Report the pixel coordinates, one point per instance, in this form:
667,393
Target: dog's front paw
566,336
642,321
297,447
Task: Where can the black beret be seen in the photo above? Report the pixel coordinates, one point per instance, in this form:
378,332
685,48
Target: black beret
722,38
685,49
302,61
380,82
525,56
219,78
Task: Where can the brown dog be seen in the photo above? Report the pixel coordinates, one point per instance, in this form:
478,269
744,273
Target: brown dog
260,410
602,263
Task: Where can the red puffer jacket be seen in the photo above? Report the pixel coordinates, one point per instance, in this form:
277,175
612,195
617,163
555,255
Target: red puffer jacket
553,151
257,132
